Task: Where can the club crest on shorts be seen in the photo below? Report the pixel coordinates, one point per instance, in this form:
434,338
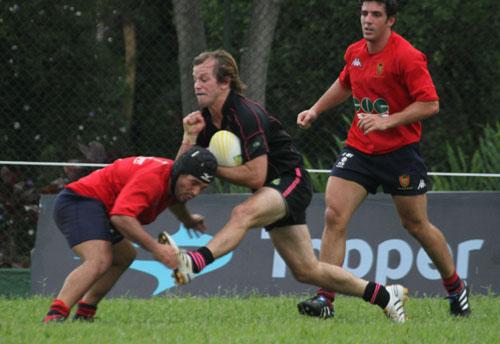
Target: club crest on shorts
404,181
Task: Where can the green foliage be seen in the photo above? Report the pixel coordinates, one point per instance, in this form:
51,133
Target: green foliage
66,85
485,159
253,319
226,23
465,66
63,81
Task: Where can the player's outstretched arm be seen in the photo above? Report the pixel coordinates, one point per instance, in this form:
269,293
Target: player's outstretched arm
334,96
132,229
195,222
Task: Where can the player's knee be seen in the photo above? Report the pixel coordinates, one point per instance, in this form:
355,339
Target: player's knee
415,227
334,220
100,264
244,214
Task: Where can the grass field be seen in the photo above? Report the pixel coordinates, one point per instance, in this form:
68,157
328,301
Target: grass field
253,319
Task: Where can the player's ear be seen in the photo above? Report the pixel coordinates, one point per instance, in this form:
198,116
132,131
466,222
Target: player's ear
227,82
391,21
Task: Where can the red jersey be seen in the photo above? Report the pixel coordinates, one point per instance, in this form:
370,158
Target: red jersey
385,83
134,186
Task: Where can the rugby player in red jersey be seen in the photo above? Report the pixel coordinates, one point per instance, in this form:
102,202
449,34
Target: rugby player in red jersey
101,214
392,91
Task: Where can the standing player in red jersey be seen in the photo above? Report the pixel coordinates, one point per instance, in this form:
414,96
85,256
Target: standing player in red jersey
392,92
101,214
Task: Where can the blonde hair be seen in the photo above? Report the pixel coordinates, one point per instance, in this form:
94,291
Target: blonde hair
225,67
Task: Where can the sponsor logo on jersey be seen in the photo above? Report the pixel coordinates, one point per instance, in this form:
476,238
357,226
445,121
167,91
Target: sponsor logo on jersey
357,62
365,105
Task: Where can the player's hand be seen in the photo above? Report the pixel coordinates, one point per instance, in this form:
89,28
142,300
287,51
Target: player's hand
193,124
369,122
306,118
195,225
166,254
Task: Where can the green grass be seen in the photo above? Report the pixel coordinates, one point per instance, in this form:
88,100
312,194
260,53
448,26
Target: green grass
249,320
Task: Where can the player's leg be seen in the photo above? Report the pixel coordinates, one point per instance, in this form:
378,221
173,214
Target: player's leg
404,175
96,256
265,206
342,198
272,205
294,246
85,224
123,255
413,213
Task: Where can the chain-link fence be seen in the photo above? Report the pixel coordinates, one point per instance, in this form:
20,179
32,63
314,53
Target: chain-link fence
93,80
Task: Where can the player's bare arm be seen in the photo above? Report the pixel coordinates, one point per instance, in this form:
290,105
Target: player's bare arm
190,221
414,112
251,174
334,96
192,124
131,228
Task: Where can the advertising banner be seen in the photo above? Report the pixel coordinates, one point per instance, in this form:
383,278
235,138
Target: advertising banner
378,248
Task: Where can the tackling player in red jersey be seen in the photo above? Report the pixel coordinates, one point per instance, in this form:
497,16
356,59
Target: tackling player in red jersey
392,92
101,214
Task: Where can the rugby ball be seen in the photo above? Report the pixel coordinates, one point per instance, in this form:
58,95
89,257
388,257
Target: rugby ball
226,147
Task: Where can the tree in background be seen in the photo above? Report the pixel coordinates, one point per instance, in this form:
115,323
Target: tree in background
119,72
254,52
258,46
191,41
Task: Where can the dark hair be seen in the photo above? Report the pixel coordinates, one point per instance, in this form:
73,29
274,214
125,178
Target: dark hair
198,162
391,6
225,67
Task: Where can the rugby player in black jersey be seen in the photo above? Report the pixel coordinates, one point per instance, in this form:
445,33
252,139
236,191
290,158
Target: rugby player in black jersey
273,168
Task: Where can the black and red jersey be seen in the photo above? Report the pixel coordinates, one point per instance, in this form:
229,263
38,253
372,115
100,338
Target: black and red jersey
259,133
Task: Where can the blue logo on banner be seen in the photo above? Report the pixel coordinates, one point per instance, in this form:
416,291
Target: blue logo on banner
163,274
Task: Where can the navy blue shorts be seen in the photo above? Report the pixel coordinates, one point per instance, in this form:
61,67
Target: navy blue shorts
296,189
401,172
81,219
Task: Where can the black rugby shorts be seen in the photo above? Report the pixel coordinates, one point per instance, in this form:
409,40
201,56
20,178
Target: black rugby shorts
401,172
81,219
296,189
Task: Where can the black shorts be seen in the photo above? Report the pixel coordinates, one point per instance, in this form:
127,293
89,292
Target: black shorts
401,172
296,189
81,219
